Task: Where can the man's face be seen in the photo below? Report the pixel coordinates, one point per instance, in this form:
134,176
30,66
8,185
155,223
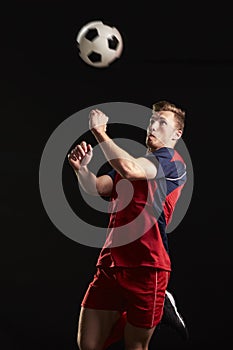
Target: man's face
161,130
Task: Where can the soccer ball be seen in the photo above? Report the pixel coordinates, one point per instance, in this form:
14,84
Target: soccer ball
99,44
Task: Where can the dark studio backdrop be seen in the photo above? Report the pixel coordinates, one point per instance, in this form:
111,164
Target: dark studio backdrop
176,51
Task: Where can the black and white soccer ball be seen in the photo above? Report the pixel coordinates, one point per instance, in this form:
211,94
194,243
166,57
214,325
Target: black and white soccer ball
99,44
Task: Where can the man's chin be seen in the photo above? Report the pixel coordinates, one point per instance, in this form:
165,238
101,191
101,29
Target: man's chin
154,145
150,142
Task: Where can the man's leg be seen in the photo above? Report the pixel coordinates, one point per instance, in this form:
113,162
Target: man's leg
144,303
117,331
137,338
172,318
94,327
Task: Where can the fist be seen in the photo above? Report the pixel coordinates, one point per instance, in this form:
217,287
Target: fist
80,156
97,121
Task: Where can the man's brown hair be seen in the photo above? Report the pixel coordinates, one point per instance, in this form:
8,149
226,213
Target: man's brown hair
168,106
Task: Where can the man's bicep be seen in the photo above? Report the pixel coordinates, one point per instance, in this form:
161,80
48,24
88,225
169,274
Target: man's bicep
148,166
104,185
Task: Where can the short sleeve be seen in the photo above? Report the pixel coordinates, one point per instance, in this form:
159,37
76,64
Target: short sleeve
168,163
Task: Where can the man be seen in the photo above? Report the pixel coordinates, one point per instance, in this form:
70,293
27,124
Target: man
133,268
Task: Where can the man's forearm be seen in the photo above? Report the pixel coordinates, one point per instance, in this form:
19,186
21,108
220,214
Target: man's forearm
87,180
119,159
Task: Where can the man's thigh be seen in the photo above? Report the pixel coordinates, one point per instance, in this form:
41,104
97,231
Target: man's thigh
104,292
94,327
137,337
144,290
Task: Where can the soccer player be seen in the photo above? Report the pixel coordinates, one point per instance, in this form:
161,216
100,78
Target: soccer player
133,268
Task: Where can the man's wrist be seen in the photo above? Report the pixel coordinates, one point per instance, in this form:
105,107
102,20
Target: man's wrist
83,168
100,135
98,132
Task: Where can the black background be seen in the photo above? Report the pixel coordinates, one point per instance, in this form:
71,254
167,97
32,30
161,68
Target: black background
179,51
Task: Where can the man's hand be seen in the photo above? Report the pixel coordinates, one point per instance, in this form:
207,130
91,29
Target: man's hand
97,121
80,156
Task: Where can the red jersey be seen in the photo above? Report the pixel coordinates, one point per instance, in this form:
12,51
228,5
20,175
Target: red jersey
140,211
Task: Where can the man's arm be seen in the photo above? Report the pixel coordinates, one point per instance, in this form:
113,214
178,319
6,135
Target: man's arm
127,166
79,158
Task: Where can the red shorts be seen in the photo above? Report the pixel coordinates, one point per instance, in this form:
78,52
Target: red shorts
138,291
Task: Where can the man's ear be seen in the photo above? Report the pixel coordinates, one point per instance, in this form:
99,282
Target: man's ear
177,134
